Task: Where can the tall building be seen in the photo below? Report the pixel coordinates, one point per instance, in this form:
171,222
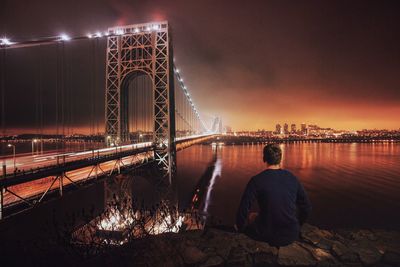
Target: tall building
286,128
278,129
313,129
304,129
293,128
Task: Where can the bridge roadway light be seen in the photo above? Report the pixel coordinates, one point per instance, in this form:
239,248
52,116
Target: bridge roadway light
64,37
34,141
89,36
98,34
5,41
136,30
119,32
13,147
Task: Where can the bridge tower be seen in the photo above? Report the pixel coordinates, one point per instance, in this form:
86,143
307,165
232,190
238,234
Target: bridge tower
141,49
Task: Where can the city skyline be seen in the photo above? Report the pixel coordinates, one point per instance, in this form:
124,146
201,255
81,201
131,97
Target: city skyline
298,127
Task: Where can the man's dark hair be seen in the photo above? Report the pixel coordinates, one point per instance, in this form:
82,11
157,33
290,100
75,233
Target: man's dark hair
272,154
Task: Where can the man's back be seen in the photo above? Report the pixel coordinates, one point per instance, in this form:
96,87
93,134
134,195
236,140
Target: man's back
283,206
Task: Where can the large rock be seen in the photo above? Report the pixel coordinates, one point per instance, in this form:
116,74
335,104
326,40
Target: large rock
320,238
363,234
192,255
213,248
238,257
368,255
214,261
344,253
295,255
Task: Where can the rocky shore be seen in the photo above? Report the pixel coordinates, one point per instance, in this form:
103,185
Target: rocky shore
214,247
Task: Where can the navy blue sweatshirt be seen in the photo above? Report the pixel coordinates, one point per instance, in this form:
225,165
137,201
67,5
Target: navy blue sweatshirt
283,204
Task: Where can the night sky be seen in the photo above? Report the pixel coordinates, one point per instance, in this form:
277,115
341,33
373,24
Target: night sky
254,63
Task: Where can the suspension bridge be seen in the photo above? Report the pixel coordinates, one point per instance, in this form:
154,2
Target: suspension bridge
148,113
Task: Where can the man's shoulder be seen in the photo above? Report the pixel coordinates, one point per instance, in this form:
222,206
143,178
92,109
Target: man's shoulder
289,174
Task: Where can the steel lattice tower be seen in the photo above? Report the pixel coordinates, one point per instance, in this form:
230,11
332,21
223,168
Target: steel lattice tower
141,49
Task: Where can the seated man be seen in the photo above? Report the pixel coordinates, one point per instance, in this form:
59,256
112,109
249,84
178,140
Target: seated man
282,201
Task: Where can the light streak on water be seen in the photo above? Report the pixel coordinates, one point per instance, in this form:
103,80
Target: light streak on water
216,173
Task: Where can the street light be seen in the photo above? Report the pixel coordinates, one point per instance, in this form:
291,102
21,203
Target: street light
64,37
33,145
5,41
13,146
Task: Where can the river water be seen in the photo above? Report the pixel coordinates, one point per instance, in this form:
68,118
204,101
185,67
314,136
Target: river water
349,185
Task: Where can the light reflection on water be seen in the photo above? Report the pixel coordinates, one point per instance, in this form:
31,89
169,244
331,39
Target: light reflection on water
350,185
216,174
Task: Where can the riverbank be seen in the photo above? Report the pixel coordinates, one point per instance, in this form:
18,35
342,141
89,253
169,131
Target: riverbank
214,247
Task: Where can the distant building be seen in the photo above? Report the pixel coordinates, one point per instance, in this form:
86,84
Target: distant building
304,129
293,128
313,130
278,129
228,129
286,128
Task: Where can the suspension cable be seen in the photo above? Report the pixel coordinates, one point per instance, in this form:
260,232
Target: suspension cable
3,97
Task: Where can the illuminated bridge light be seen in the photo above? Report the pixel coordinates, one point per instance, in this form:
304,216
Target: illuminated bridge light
98,34
148,29
64,37
136,30
119,32
156,27
5,41
89,36
176,70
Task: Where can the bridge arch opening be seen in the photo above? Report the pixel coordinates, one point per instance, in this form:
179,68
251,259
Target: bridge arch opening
137,108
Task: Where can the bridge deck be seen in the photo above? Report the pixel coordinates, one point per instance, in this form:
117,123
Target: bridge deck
40,172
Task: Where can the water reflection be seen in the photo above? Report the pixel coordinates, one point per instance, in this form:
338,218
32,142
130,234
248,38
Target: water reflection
350,185
201,199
